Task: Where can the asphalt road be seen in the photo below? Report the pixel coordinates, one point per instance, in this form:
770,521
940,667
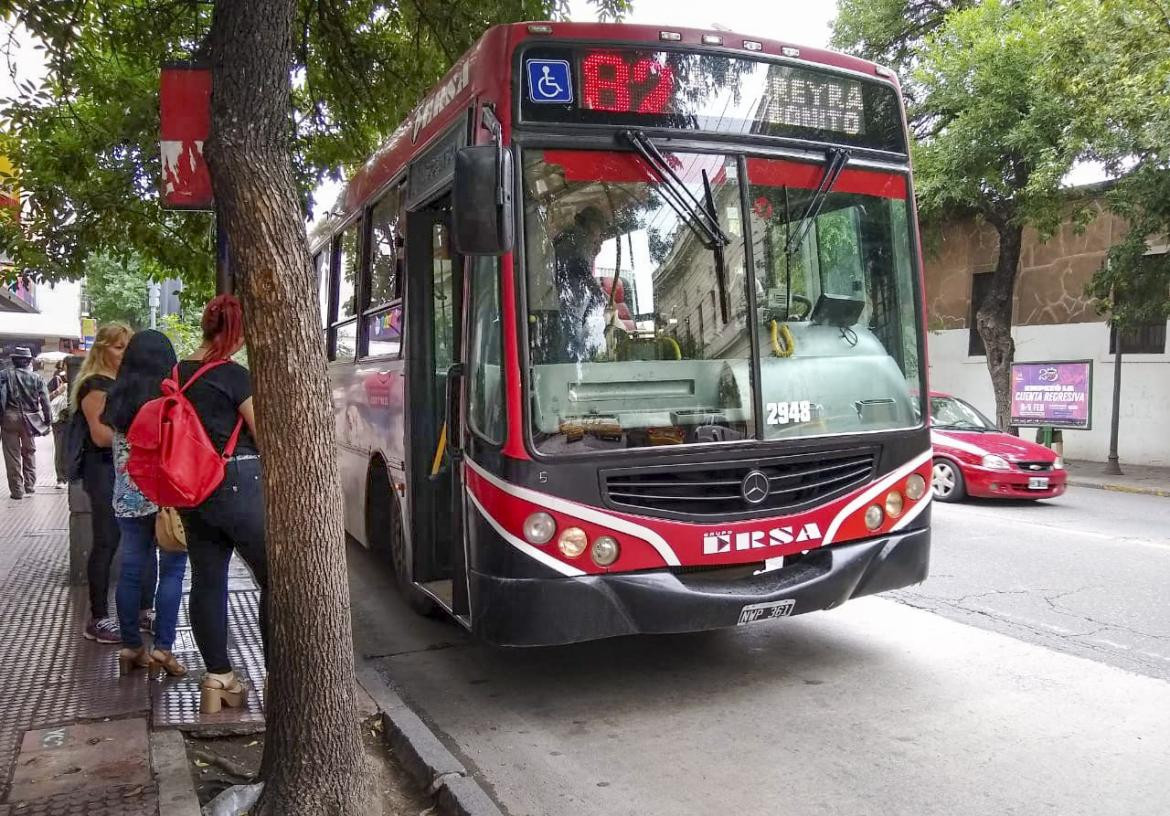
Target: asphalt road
969,695
1086,573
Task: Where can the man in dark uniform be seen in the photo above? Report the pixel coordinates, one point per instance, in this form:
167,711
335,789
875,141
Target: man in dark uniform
26,415
582,301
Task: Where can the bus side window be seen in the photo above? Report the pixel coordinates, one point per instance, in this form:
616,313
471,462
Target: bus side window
321,269
382,336
385,249
485,390
344,313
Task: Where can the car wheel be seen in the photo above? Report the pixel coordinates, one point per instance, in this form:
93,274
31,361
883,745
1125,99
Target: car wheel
946,481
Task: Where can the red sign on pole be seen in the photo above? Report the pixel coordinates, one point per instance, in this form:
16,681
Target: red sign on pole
185,117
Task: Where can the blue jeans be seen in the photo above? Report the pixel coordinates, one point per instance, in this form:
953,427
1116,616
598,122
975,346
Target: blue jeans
138,555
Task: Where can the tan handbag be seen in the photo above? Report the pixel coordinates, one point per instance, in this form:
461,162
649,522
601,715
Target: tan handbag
168,530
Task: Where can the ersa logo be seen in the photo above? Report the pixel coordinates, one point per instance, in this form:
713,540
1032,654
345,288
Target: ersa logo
431,107
724,541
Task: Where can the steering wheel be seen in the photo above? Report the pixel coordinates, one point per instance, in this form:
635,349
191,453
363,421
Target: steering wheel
804,302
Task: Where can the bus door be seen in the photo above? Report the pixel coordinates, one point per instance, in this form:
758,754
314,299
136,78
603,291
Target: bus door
434,305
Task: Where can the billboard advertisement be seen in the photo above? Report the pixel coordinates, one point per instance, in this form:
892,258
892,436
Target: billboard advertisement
185,122
1056,394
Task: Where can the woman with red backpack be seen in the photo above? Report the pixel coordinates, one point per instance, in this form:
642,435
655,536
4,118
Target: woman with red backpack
231,519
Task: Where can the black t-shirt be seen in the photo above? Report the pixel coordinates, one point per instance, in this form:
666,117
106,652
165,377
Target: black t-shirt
217,397
102,384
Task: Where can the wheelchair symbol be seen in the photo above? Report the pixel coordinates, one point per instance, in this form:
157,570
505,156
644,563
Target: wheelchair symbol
548,86
548,81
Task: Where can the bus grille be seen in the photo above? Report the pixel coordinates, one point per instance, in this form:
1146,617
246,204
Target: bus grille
713,490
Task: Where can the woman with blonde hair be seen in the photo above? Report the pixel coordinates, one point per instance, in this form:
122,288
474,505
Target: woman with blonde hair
88,401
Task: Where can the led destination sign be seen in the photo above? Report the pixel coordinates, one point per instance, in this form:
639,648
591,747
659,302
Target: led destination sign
815,102
711,92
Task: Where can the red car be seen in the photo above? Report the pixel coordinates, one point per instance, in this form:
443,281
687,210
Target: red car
973,458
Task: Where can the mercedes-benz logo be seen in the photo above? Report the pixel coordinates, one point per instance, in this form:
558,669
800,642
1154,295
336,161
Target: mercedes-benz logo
755,487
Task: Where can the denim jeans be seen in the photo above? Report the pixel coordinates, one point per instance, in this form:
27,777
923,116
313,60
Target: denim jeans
138,556
232,519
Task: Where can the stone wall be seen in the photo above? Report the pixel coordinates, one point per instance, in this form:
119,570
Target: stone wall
1053,273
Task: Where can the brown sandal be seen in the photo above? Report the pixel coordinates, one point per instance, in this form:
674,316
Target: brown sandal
164,659
131,659
218,690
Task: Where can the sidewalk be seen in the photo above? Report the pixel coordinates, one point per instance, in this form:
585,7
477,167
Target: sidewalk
75,738
1151,481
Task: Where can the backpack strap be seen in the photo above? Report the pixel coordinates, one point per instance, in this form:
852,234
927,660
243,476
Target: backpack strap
230,447
203,369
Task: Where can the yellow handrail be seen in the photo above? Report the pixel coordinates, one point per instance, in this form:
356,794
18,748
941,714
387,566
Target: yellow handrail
781,332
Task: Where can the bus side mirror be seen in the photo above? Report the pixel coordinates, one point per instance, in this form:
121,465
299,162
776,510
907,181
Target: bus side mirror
482,201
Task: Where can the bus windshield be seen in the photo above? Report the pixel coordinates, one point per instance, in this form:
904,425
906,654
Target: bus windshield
638,325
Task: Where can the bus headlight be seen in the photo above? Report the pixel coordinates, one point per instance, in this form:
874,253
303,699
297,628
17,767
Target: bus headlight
873,517
572,542
605,550
894,504
539,528
915,487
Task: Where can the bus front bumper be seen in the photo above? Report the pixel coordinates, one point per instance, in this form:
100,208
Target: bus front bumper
550,611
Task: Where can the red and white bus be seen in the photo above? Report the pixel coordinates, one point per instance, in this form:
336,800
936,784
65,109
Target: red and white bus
626,335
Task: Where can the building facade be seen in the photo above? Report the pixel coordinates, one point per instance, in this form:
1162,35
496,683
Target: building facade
1053,319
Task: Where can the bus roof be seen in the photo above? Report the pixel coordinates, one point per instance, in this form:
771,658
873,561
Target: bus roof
468,77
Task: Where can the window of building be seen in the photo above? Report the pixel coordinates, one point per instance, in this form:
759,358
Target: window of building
485,384
1146,339
980,286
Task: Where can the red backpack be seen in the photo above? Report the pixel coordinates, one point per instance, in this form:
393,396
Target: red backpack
172,460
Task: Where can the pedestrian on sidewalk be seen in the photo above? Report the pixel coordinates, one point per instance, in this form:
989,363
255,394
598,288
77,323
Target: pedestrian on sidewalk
87,403
59,402
232,518
149,359
24,405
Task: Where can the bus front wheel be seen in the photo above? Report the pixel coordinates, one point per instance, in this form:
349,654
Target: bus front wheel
387,535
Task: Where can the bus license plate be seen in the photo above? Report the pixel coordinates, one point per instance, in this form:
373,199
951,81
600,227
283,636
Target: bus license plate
766,611
1038,483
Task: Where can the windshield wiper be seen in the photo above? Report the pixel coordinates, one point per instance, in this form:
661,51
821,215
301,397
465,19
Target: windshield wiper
835,160
700,217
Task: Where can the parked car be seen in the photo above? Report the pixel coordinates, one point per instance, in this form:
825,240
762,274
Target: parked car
973,458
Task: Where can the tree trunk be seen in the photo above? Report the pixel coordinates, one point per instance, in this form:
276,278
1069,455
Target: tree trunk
994,319
314,762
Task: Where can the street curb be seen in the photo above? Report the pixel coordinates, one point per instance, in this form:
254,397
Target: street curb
1120,488
425,758
176,788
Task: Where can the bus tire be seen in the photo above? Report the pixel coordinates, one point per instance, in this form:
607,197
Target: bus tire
386,534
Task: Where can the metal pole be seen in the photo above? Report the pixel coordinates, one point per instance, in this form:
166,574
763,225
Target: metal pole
154,295
223,271
1112,467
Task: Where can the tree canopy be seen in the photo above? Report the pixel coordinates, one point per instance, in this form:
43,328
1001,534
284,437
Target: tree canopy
1132,77
1005,98
85,142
